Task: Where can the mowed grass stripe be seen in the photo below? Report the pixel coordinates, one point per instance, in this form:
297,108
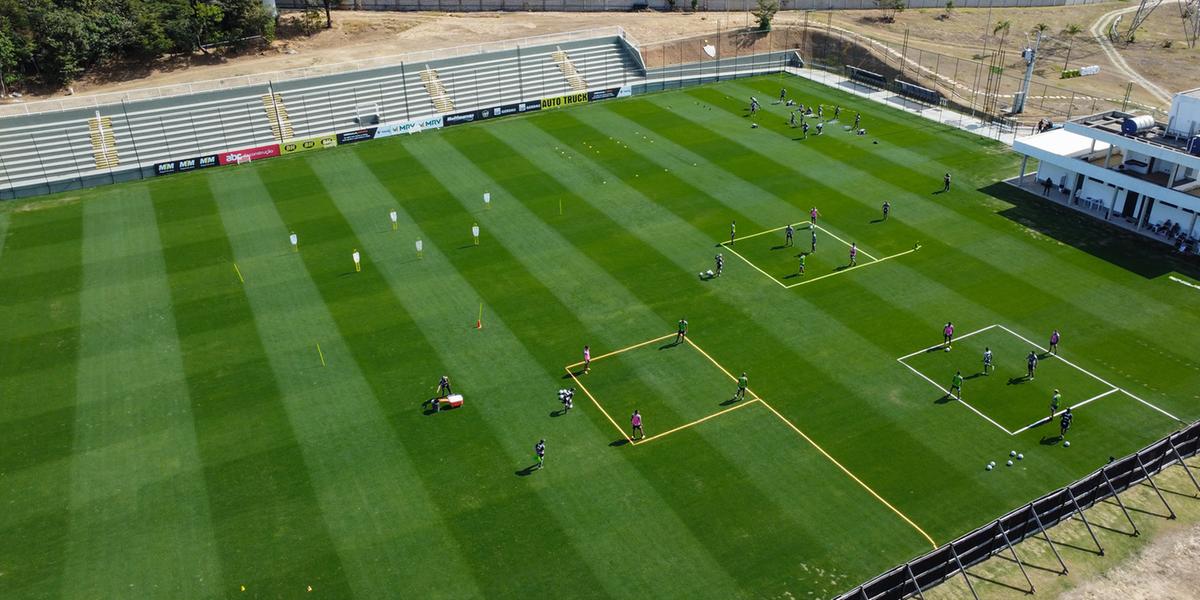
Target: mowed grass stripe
37,409
266,519
489,367
588,227
490,507
717,532
998,259
364,485
136,479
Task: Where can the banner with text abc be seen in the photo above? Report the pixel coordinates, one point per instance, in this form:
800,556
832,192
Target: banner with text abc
317,142
185,165
410,126
248,154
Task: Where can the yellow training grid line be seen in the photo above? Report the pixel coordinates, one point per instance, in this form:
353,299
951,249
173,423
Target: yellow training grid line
848,473
604,412
754,399
696,422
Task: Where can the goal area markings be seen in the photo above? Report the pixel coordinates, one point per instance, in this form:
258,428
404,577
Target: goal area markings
1113,389
873,260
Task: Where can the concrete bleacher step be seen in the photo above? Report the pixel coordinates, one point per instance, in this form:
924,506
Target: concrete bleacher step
569,71
437,92
104,143
277,114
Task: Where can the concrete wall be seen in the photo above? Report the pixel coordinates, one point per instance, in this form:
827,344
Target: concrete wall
626,5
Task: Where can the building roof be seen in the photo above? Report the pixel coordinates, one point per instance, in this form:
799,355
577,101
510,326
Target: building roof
1193,93
1061,142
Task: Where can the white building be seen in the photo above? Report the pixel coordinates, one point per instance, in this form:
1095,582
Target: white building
1125,169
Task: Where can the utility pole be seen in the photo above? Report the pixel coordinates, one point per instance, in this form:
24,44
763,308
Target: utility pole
1030,56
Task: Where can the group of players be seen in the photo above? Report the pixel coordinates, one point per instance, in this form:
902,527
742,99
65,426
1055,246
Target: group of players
807,111
789,241
1031,364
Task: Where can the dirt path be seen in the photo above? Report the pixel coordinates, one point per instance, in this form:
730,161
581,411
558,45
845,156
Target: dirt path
1167,568
1099,31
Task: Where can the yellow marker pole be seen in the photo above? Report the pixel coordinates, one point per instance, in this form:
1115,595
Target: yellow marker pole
321,354
239,273
479,321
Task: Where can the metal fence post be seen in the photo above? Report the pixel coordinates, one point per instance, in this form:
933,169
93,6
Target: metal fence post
1154,485
1045,534
913,577
1117,496
1079,511
1008,543
1184,464
963,571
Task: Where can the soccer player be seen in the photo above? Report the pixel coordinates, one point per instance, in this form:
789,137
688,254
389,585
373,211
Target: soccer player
946,183
1031,362
987,361
814,241
753,106
804,128
857,120
1054,338
788,232
587,359
956,385
539,450
948,335
782,94
740,394
475,232
636,422
357,260
887,208
820,111
853,254
394,217
732,232
1054,402
802,257
813,213
567,397
1065,423
792,120
820,128
720,264
681,332
837,111
295,242
443,388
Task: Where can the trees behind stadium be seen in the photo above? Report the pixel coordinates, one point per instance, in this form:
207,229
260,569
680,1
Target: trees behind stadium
51,42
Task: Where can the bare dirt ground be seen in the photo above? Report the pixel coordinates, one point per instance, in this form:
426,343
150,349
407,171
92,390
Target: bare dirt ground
362,35
1167,568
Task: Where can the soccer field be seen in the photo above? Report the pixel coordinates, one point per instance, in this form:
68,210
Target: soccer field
190,409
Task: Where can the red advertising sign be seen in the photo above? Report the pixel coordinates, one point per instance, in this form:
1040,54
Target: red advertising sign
255,153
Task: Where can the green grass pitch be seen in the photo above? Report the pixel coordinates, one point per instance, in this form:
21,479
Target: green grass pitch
170,429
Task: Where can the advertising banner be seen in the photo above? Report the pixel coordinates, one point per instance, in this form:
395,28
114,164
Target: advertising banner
604,94
187,164
495,111
317,142
255,153
358,135
410,126
564,100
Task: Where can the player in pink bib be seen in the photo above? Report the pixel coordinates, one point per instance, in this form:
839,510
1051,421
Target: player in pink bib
636,422
948,334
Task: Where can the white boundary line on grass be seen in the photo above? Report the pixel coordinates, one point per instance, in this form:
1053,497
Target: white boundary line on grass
1073,407
960,400
848,269
753,266
1113,388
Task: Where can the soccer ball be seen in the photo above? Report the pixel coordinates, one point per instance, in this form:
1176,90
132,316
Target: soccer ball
1009,463
946,349
1066,444
1012,452
1020,457
988,467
